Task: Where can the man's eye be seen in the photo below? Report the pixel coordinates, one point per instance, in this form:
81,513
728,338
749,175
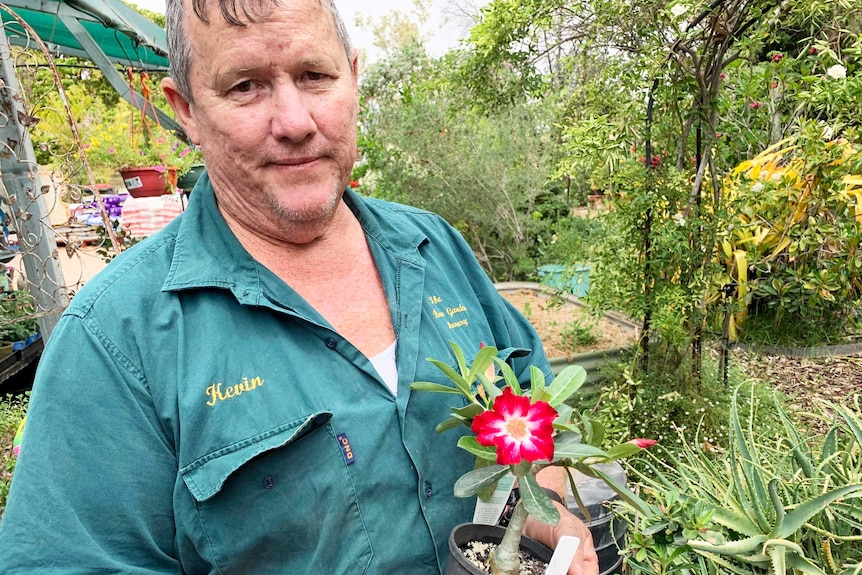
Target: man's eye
243,87
315,76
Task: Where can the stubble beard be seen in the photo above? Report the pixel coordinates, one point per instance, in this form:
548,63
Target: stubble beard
310,215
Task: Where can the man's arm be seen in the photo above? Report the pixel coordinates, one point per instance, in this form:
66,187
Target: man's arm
92,491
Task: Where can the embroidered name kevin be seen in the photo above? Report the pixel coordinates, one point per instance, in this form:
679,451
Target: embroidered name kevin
216,393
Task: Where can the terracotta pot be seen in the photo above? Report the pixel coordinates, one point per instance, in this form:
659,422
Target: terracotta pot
466,532
147,181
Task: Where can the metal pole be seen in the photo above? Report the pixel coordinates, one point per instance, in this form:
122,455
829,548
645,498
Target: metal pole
25,200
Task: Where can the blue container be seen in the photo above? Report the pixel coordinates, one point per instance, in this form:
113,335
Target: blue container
573,279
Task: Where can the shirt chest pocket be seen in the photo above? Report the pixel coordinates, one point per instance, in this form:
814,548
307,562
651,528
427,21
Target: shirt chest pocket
281,502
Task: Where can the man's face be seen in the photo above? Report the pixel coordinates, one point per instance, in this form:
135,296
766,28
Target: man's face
275,106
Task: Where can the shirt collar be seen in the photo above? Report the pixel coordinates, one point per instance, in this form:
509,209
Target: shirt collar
208,254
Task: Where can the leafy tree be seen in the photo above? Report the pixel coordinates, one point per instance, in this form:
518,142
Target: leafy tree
486,174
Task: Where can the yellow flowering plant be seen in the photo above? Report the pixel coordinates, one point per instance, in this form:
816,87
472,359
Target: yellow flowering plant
116,143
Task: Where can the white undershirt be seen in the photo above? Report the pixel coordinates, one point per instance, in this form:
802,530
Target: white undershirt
384,363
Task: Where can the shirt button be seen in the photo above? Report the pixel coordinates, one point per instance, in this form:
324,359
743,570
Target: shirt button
269,482
428,491
331,343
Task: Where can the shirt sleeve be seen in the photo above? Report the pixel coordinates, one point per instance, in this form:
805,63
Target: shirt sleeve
92,490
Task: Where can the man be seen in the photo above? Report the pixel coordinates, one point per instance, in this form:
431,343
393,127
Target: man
232,395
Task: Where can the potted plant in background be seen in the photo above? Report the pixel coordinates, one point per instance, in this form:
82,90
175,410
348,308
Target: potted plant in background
18,327
518,433
150,162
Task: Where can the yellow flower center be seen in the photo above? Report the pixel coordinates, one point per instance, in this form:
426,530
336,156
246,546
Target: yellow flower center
517,428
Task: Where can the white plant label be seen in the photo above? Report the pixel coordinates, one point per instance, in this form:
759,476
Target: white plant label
488,512
567,546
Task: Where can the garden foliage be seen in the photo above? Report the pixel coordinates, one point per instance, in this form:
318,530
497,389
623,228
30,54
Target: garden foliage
12,412
780,503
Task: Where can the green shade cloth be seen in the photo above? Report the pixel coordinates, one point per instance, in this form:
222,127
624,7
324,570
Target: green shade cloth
125,36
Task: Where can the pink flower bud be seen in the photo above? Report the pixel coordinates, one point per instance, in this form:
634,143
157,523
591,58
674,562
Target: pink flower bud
776,58
642,443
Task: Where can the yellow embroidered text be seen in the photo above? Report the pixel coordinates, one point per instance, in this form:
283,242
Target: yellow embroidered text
216,393
451,312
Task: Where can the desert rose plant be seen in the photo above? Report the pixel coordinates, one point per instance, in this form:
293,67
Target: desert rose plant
520,432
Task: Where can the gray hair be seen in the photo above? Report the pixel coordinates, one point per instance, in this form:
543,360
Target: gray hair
234,12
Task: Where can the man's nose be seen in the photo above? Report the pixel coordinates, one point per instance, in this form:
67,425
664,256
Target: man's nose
292,116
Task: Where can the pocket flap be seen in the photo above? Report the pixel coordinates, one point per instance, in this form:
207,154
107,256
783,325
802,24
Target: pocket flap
513,352
206,475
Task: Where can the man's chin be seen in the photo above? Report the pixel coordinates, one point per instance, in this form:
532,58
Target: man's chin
306,207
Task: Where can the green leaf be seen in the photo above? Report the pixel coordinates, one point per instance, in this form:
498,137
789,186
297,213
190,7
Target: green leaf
491,390
802,565
624,492
736,521
623,450
800,514
450,423
456,378
537,502
571,450
852,421
538,391
472,481
468,411
483,359
593,430
776,554
430,386
564,414
566,384
459,357
470,444
509,376
740,547
800,452
752,493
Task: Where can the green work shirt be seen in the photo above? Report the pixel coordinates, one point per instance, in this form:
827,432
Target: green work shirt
193,414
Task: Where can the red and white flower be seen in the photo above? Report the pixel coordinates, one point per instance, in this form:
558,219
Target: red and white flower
519,429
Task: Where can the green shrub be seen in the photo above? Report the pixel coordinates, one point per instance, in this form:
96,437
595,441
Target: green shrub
12,411
16,316
660,404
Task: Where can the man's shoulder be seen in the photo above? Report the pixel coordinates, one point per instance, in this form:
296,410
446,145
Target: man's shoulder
380,205
137,273
406,218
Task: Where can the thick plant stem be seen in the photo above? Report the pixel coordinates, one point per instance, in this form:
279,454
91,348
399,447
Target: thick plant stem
504,559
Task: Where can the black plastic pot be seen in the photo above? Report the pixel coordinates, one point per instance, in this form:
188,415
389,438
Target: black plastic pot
466,532
608,533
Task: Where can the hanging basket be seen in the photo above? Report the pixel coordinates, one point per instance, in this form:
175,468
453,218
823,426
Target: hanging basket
148,181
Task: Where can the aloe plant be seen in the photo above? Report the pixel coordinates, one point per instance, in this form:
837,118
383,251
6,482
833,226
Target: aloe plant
782,505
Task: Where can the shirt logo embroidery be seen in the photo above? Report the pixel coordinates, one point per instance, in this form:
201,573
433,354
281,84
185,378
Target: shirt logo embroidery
449,313
346,450
215,393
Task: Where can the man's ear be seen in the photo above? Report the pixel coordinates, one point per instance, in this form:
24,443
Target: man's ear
355,65
182,108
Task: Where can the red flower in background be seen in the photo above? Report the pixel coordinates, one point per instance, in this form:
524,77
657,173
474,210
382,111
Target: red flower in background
755,105
776,58
519,429
354,183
